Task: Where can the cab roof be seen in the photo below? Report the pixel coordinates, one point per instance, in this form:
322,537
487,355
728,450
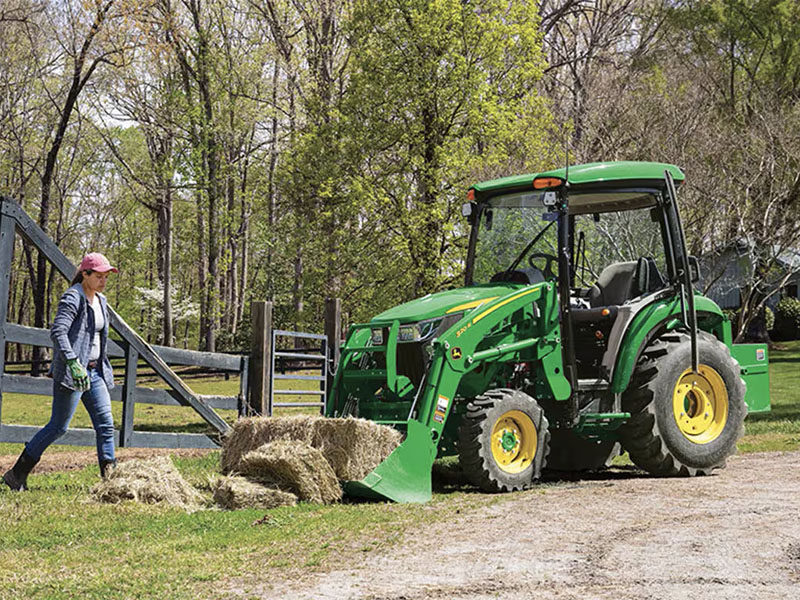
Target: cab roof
599,172
595,187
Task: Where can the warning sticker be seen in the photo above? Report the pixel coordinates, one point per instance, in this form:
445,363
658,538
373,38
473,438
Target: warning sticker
441,409
760,354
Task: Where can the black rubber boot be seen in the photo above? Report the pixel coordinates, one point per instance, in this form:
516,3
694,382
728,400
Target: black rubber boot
106,466
17,477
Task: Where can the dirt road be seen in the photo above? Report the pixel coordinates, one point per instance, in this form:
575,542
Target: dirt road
626,536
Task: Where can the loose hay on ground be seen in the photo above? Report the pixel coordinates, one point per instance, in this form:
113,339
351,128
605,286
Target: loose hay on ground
353,447
295,466
150,481
233,493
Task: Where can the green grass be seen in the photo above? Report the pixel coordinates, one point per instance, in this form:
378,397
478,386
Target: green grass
778,429
54,543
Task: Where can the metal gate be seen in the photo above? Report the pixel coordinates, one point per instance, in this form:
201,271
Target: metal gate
299,359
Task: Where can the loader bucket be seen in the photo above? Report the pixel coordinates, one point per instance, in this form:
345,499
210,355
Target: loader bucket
405,475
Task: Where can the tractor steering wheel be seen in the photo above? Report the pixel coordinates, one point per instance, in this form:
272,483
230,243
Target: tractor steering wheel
549,259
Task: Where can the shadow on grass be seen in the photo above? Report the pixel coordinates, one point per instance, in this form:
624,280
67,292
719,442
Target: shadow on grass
780,358
449,478
781,412
187,428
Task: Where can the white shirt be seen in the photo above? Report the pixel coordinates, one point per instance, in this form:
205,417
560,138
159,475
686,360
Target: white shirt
94,353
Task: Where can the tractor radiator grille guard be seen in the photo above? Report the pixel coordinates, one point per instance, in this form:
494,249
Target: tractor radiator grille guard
387,375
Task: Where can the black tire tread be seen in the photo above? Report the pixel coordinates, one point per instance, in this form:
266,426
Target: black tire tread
641,437
475,455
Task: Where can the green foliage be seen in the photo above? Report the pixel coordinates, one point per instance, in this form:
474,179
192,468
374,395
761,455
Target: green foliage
441,95
787,319
751,43
769,318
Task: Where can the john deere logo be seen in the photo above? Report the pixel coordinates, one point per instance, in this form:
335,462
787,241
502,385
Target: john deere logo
456,353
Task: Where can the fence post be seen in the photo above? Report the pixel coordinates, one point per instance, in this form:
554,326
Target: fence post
244,387
260,355
128,397
333,331
7,234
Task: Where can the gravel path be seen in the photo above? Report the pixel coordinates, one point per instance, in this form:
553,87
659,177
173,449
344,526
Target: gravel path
732,535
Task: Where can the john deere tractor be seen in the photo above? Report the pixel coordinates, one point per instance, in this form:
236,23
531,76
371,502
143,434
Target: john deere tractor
578,334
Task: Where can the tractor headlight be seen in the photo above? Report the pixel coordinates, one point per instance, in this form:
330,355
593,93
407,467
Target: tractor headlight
409,333
377,337
426,330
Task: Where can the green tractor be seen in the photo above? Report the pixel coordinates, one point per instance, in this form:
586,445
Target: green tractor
578,334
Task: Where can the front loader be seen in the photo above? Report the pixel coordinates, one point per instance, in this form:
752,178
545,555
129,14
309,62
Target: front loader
578,334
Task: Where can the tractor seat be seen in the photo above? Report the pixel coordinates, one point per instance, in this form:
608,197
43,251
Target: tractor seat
614,286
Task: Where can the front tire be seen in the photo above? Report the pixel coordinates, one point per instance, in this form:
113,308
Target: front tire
503,441
684,423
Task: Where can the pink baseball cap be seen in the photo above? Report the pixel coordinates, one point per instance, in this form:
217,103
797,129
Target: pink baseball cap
94,261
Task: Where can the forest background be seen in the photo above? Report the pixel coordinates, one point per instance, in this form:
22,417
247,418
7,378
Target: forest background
223,151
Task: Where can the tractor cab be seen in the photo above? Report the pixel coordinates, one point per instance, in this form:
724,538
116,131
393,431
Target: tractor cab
601,232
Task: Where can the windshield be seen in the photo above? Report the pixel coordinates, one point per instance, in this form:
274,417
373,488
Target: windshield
517,240
508,225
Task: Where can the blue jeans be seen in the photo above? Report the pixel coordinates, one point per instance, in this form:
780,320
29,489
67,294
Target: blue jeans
65,401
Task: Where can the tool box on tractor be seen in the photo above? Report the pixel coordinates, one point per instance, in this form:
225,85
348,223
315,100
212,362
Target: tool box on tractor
578,333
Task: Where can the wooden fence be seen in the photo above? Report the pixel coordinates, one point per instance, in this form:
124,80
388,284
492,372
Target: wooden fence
132,348
256,372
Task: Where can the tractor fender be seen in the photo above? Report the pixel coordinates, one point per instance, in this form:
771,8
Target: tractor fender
650,321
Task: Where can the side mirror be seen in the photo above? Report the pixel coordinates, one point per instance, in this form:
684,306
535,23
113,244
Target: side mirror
694,269
467,209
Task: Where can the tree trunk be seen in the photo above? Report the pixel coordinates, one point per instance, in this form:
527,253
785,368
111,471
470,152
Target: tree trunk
79,79
297,289
165,256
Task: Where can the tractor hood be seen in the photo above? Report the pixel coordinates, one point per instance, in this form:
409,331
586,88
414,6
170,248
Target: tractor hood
450,301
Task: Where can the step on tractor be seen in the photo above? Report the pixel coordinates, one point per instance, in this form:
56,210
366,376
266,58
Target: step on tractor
578,335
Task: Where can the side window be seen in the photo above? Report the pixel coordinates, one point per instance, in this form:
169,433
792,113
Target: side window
617,237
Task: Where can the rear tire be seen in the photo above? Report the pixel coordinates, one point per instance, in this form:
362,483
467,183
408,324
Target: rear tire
683,423
503,441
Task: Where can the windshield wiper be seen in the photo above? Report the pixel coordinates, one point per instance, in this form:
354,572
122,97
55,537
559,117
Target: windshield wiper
517,260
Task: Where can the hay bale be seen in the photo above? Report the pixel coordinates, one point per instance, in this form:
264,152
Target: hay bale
233,493
295,466
353,447
251,433
150,481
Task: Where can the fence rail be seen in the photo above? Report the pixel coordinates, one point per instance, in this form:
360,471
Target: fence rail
132,348
256,372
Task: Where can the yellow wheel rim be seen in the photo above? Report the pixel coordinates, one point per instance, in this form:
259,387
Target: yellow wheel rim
514,441
700,405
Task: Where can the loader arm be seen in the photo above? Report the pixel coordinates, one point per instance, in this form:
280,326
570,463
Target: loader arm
519,326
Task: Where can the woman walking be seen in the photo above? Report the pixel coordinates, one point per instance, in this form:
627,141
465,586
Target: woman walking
80,369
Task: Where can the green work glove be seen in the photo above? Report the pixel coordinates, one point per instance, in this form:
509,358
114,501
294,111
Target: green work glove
79,375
